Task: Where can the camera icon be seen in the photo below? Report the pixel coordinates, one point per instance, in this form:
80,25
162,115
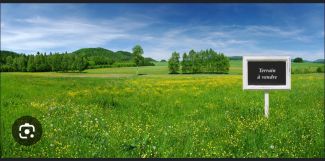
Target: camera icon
26,131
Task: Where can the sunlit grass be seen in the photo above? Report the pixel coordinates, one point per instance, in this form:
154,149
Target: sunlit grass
162,116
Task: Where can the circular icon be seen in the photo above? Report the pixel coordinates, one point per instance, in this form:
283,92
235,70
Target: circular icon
27,130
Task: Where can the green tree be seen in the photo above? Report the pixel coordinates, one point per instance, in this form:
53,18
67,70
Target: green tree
22,63
15,64
196,63
65,63
37,61
224,63
9,60
173,63
41,63
47,62
56,62
50,61
298,60
185,63
81,63
204,61
137,53
191,57
31,67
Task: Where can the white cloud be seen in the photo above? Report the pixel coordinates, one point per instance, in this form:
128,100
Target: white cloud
45,34
234,40
272,31
39,33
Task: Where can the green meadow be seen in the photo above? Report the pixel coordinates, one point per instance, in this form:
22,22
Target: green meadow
235,69
111,112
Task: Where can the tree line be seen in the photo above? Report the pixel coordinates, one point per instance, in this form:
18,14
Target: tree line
41,62
76,61
204,61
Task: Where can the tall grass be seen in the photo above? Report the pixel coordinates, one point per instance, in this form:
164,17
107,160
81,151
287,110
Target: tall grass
163,116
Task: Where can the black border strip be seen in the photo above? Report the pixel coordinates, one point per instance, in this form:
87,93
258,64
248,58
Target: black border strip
162,1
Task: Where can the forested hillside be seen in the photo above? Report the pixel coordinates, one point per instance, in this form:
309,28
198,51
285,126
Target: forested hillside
76,61
100,57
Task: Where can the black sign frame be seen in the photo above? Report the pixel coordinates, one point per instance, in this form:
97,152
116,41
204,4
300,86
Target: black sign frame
266,73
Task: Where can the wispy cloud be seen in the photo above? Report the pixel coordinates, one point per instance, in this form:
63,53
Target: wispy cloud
40,33
232,40
160,33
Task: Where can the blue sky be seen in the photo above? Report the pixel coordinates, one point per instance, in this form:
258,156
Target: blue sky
234,29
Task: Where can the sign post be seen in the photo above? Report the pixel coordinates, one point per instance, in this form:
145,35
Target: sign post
266,73
266,105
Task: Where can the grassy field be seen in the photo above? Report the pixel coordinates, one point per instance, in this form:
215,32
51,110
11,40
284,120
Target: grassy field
162,68
111,112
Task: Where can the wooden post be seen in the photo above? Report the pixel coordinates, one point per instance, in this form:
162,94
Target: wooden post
266,105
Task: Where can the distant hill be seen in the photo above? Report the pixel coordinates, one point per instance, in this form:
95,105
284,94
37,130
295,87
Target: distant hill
5,54
101,52
235,57
319,61
117,56
150,59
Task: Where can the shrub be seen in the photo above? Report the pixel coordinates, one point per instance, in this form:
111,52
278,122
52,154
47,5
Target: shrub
124,65
320,69
298,60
